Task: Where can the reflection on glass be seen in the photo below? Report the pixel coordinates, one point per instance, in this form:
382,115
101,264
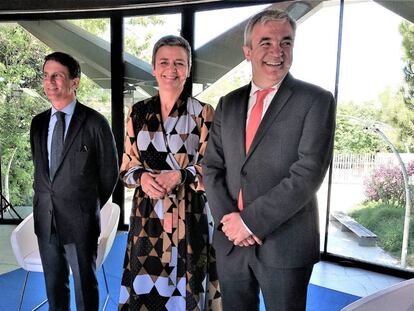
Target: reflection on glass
367,181
215,79
140,35
24,46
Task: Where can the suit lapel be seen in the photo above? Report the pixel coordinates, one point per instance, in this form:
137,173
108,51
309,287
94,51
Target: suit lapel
279,101
240,119
75,125
43,140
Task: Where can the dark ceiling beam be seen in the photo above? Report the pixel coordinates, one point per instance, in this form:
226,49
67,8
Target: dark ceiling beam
54,6
93,53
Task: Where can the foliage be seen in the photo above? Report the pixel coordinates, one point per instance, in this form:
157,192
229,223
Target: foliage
231,81
22,69
21,62
386,185
397,114
97,26
91,93
19,72
139,35
138,32
387,223
407,32
350,135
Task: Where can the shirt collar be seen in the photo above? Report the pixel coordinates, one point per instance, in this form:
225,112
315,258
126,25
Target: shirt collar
255,88
68,110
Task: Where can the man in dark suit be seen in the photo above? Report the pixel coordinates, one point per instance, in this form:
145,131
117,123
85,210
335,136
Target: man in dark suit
262,169
76,169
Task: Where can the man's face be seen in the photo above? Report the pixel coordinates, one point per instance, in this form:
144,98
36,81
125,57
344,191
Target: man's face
271,52
57,85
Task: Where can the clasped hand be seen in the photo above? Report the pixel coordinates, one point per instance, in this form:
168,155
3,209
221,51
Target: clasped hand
156,186
235,230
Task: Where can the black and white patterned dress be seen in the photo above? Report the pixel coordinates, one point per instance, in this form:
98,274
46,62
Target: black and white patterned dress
169,262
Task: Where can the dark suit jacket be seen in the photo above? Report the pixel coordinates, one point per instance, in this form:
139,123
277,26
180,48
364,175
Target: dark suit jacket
83,182
279,176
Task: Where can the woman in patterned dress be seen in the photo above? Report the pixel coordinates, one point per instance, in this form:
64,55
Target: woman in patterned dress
169,262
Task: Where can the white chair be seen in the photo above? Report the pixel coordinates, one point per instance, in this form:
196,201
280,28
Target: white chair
26,249
398,297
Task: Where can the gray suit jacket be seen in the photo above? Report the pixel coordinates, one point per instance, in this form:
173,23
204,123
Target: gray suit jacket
280,175
83,182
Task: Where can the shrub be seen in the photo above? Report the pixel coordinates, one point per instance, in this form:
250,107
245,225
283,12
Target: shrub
387,222
386,184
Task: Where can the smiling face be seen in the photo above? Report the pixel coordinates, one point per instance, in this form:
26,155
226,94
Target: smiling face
171,68
271,52
57,84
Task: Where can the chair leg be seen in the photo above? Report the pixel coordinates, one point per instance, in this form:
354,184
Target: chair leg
24,288
39,305
107,289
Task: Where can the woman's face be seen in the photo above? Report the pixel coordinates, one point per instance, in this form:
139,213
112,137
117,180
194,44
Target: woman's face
171,68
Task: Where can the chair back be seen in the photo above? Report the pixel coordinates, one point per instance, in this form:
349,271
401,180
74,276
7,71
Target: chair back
396,297
26,250
109,225
24,244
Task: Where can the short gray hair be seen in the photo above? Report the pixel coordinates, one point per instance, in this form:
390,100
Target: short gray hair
263,17
172,40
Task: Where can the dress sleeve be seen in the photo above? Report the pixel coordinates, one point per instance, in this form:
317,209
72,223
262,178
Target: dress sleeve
203,123
131,167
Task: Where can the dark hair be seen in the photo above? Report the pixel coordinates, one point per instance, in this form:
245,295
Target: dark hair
172,40
263,17
67,61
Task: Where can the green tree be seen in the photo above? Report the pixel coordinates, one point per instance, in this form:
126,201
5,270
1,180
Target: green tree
18,72
397,114
351,135
91,93
21,62
407,32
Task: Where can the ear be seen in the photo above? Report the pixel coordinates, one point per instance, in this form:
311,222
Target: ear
153,70
75,83
247,52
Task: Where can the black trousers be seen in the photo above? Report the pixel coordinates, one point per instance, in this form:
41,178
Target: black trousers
56,259
242,276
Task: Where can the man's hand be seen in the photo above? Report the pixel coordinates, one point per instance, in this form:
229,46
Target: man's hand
251,240
234,228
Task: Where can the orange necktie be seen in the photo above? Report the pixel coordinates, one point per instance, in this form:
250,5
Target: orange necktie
252,125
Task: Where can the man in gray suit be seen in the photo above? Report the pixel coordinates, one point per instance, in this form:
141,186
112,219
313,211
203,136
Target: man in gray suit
76,169
262,169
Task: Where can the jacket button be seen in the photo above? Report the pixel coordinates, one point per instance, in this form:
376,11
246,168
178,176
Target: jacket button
50,212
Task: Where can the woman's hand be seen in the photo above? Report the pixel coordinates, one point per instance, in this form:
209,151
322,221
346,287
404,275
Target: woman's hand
151,187
169,180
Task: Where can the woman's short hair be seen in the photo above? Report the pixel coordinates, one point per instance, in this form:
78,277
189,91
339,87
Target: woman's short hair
172,40
263,17
67,61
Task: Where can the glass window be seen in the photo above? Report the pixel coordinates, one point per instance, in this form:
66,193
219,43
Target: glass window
140,35
23,48
372,115
221,68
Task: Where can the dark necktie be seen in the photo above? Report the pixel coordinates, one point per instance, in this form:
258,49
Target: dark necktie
252,125
57,143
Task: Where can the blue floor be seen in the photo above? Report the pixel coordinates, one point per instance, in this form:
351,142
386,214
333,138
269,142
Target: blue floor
319,298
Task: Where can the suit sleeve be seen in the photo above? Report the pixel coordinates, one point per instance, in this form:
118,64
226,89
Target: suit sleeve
194,174
273,209
214,169
107,162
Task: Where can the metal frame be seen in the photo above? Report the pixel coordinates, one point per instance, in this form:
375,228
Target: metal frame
188,10
45,301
